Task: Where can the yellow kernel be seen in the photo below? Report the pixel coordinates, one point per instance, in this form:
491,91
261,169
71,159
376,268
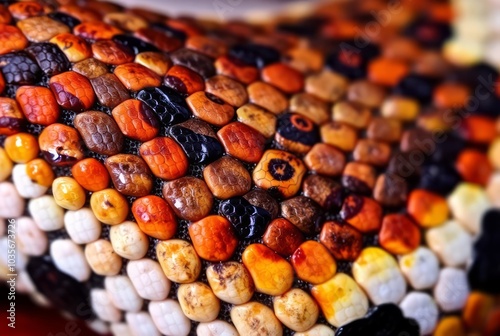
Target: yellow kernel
40,171
68,194
5,165
109,206
21,147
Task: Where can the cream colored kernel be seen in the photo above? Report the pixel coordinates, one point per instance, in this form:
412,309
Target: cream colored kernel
296,309
179,260
198,302
102,258
128,240
255,319
231,282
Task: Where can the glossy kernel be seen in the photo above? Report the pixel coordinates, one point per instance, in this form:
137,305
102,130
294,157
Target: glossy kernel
257,118
179,260
235,69
6,165
75,48
339,135
130,174
11,117
227,89
267,96
111,52
279,171
474,167
282,237
428,209
154,61
255,319
39,171
68,194
21,147
30,28
242,142
342,240
72,91
358,177
213,238
136,120
271,274
184,80
198,302
398,234
296,309
313,263
363,213
136,77
96,30
210,108
60,145
227,178
325,160
91,174
231,282
11,39
283,77
38,104
165,158
109,206
154,217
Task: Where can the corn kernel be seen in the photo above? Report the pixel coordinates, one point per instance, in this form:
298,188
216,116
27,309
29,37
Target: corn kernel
5,165
68,194
21,147
109,206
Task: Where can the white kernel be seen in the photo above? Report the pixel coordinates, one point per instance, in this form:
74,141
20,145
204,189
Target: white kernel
69,258
122,293
168,317
128,240
102,258
378,273
216,328
148,279
98,326
103,307
25,186
11,203
82,226
46,213
420,267
452,289
141,324
468,202
451,243
120,329
421,307
255,319
32,241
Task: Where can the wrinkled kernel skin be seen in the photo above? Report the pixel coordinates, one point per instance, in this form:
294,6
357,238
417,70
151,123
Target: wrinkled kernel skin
363,213
91,174
179,260
227,178
99,132
136,120
283,237
342,240
72,91
313,263
271,274
60,145
242,142
213,238
38,104
154,217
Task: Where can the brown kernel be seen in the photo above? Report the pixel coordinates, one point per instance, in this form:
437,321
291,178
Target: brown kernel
227,178
99,132
268,97
384,129
326,85
283,237
372,152
342,240
390,190
366,93
189,197
130,174
324,191
310,106
262,199
302,212
358,177
363,213
90,68
109,90
325,159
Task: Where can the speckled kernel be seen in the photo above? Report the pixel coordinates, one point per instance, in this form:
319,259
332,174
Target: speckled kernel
91,174
341,299
255,319
279,171
363,213
75,48
11,116
198,302
109,206
282,237
189,197
420,267
257,118
21,147
213,238
231,282
227,178
90,68
242,141
342,240
428,209
102,258
398,234
179,260
317,330
6,165
130,174
165,158
154,217
296,309
38,104
72,91
271,274
377,272
128,240
313,263
68,194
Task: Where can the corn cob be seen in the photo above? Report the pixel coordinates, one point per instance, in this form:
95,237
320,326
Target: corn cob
327,175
